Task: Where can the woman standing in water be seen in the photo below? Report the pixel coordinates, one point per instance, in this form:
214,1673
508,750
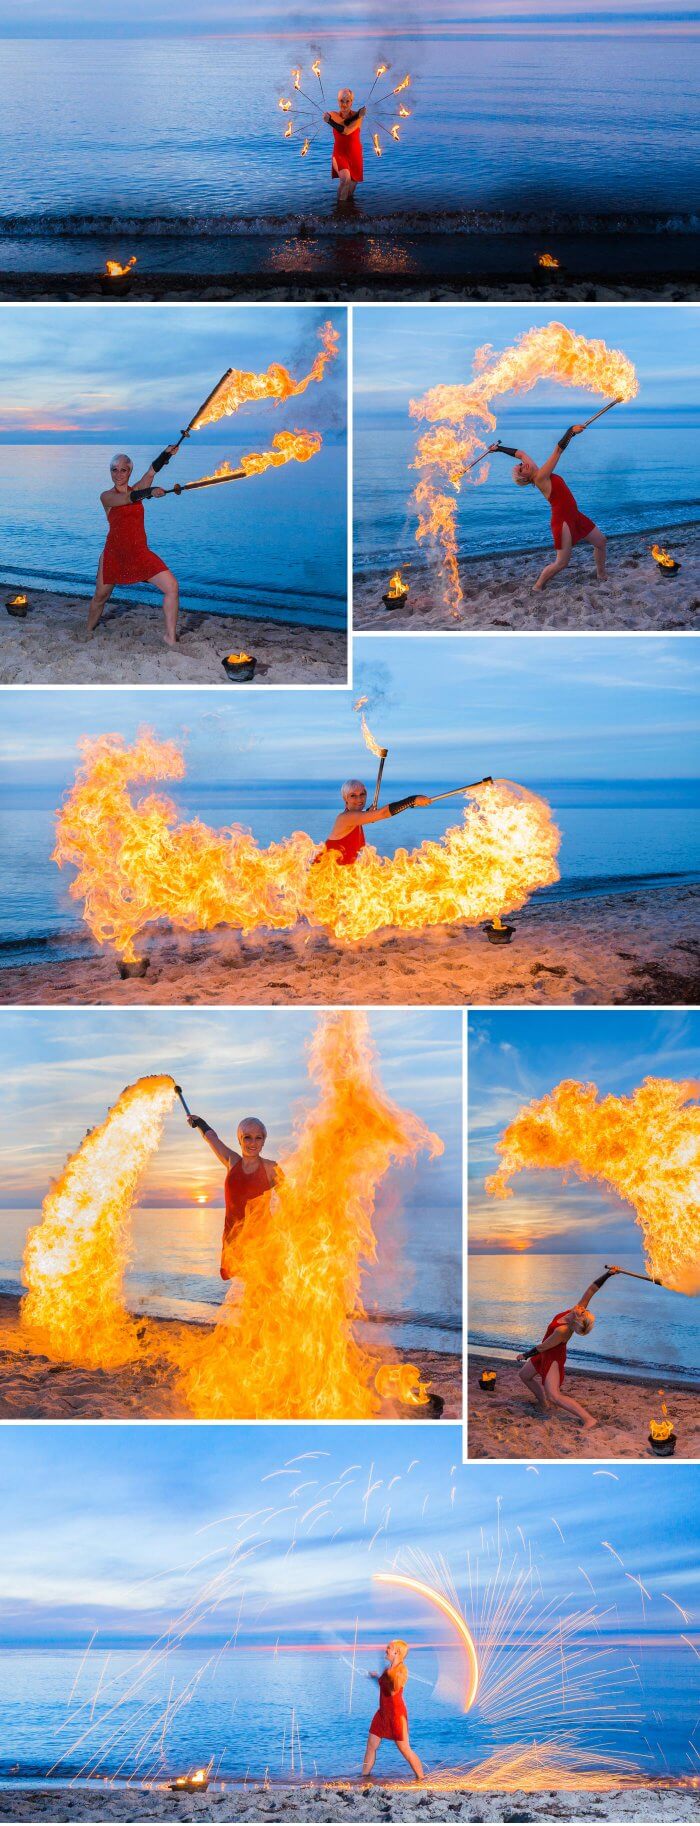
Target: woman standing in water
249,1177
347,163
126,557
391,1719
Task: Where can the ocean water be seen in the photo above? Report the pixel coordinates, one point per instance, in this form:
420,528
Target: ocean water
175,149
240,1713
637,475
271,546
645,1331
616,835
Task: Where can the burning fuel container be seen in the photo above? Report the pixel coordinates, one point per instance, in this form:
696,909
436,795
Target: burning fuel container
546,270
498,935
239,667
116,285
397,601
487,1381
138,968
189,1784
663,1448
668,567
17,605
432,1409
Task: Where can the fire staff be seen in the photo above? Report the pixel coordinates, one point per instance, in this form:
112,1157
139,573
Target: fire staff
391,1718
249,1176
543,1368
569,526
126,557
347,837
347,164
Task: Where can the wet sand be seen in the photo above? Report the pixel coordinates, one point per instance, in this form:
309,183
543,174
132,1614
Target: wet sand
678,287
32,1387
640,947
339,1802
498,590
51,646
508,1424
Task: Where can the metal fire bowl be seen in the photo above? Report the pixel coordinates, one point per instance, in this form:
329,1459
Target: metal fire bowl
498,935
188,1787
239,675
395,602
545,275
668,570
487,1388
18,610
138,968
663,1448
432,1409
118,287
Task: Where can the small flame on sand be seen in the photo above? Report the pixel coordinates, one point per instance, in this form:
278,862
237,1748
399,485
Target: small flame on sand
116,271
547,260
402,1382
239,387
18,602
138,861
376,144
663,557
549,352
238,659
397,587
74,1260
646,1147
661,1429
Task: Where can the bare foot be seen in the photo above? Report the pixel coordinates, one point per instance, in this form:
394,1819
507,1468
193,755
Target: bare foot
537,589
589,1424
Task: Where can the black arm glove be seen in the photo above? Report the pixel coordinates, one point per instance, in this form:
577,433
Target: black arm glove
198,1122
506,450
140,494
602,1278
566,439
400,805
159,462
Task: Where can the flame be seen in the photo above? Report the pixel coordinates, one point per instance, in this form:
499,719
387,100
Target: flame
284,1346
438,1598
238,388
397,587
305,148
74,1259
284,104
646,1147
547,260
316,67
139,862
18,602
214,475
662,556
289,129
394,131
238,659
404,112
400,86
402,1382
661,1429
488,1375
195,1780
297,78
381,70
287,447
368,738
375,143
115,270
549,352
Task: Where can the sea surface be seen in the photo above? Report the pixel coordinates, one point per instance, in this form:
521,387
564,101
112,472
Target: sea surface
250,1704
642,1331
175,150
617,835
272,546
636,473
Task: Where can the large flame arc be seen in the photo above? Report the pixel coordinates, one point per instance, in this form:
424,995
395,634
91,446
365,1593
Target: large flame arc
437,1598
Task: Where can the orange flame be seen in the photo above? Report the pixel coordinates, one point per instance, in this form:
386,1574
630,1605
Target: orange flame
289,129
662,556
287,447
547,260
661,1429
116,271
316,67
397,587
404,112
400,86
402,1382
284,1346
375,143
367,736
284,104
74,1259
138,862
549,352
18,602
381,70
646,1147
305,148
238,388
222,469
394,131
297,78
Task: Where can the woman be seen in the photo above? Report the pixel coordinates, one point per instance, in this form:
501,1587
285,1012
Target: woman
347,162
569,526
347,837
248,1178
126,557
543,1369
391,1720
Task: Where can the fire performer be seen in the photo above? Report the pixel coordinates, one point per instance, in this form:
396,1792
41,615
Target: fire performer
249,1176
569,526
391,1719
347,163
543,1368
126,557
347,837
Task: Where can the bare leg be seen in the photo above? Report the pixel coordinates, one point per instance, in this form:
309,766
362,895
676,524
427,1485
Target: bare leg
346,189
560,562
102,595
600,547
533,1382
168,586
559,1400
370,1753
403,1745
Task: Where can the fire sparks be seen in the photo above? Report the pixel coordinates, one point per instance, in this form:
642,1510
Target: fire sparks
285,1345
115,270
439,1600
74,1259
646,1147
239,388
137,862
458,415
397,587
547,260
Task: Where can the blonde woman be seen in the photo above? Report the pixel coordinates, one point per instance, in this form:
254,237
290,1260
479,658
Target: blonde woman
391,1719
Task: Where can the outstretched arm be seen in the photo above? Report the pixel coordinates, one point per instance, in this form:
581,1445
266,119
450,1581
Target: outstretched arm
348,821
547,469
218,1147
586,1297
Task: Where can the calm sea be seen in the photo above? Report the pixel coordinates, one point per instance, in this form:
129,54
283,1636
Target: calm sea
638,475
240,1713
175,150
644,1331
271,546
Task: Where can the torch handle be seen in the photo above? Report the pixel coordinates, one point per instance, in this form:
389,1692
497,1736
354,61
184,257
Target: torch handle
630,1272
595,415
380,771
487,781
178,1093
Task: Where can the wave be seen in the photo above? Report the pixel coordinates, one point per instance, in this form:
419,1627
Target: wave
310,222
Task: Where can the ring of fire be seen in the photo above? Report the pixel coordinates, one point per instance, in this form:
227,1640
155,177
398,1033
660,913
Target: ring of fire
443,1604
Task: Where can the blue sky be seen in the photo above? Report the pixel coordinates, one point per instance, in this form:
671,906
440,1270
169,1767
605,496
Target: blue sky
399,353
95,18
515,1057
123,1513
535,709
92,373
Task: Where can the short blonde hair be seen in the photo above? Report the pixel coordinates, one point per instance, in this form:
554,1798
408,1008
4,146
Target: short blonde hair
121,457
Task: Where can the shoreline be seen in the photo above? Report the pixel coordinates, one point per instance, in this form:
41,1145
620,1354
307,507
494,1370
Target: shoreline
675,287
51,646
507,1359
498,590
508,1425
625,1800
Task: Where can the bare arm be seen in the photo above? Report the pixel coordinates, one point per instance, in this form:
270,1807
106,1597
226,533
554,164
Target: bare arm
595,1286
348,821
547,469
350,125
560,1335
223,1152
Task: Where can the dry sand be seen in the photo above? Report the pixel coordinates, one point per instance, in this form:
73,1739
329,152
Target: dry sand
498,590
639,947
51,647
360,1803
33,1387
507,1424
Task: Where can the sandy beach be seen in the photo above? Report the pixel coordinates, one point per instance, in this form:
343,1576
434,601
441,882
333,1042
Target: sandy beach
507,1424
51,647
32,1387
351,1802
639,947
358,287
498,590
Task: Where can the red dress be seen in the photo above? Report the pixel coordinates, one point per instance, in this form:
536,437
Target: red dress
347,848
543,1359
392,1718
566,513
126,557
347,155
239,1191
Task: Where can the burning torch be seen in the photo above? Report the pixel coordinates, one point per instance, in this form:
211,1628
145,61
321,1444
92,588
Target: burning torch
178,1093
183,488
